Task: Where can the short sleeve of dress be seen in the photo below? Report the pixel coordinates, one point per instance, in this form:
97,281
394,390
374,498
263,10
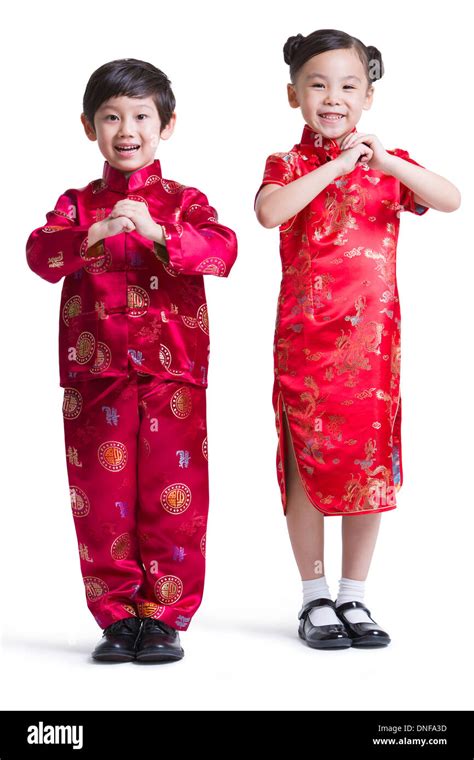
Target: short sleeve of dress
278,171
407,196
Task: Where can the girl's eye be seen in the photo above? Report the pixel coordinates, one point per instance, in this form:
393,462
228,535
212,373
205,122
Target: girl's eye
111,116
321,85
143,114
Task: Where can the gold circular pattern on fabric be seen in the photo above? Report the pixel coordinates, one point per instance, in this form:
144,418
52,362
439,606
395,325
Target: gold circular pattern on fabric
181,403
120,548
113,455
176,498
72,404
80,503
168,589
85,347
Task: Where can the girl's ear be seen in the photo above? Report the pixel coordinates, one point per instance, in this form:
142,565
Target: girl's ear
369,98
292,97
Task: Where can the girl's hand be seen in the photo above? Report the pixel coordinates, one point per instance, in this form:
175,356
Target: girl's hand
378,157
137,214
352,157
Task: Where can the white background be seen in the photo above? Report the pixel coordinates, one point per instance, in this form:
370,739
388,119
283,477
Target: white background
228,74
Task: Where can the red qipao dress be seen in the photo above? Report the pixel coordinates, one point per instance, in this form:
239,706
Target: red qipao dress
337,332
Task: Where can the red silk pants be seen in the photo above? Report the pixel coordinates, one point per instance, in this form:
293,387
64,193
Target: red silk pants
136,450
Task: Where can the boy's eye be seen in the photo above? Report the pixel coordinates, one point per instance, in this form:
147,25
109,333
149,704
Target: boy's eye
113,116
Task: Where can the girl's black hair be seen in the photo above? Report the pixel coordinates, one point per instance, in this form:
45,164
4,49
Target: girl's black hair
131,77
299,49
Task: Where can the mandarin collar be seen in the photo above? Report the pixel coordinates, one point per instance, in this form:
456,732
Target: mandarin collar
325,148
116,180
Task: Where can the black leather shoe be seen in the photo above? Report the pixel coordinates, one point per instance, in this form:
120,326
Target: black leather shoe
158,642
362,634
332,636
118,641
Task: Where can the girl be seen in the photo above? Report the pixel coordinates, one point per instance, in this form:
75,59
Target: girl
336,197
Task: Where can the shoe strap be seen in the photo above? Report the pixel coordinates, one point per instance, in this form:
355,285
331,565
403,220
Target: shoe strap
321,602
351,606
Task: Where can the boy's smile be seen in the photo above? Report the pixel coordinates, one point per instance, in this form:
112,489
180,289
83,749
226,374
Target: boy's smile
128,131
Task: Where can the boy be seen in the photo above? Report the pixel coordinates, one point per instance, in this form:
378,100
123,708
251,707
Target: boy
133,341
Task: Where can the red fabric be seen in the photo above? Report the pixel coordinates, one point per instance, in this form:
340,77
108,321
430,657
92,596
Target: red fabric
337,332
127,303
137,466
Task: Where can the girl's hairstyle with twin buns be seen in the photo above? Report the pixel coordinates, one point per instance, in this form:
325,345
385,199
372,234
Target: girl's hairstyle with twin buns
299,49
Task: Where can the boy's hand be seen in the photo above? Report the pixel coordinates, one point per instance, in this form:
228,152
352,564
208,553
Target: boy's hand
137,212
377,157
105,228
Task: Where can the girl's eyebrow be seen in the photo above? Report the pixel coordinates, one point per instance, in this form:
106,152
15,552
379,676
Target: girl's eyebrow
321,76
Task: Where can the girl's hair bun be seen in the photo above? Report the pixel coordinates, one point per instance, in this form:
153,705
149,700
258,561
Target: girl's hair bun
291,46
375,63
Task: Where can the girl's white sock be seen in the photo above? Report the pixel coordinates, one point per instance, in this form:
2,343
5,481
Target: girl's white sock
316,589
352,591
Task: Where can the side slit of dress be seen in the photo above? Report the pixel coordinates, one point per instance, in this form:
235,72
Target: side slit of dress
284,423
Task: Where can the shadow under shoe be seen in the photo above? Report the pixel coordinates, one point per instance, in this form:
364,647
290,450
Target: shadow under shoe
362,634
118,642
333,636
158,642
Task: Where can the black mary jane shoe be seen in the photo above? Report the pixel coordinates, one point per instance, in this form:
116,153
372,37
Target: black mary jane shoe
332,636
362,634
158,642
118,641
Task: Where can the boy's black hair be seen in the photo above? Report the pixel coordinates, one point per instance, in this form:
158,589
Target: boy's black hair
131,77
299,49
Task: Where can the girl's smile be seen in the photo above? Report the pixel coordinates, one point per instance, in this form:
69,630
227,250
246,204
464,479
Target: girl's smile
332,90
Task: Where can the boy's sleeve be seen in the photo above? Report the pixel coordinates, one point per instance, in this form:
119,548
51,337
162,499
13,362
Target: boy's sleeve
54,250
407,196
278,171
197,244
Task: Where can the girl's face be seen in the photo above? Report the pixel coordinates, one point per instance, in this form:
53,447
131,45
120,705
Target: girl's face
332,91
124,121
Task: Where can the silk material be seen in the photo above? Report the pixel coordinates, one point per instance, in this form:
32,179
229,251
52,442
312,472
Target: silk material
337,332
138,475
128,303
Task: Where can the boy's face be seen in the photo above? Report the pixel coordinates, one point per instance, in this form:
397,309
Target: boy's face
332,91
125,122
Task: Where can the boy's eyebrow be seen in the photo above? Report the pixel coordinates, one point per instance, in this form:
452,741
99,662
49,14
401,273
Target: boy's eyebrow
321,76
135,105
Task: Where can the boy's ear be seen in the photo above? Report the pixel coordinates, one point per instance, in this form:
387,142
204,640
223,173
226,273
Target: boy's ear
169,129
88,128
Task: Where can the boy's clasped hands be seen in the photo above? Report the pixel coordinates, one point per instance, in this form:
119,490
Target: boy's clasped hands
126,216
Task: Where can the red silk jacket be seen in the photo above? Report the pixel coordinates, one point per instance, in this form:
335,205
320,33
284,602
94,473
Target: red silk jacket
127,305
